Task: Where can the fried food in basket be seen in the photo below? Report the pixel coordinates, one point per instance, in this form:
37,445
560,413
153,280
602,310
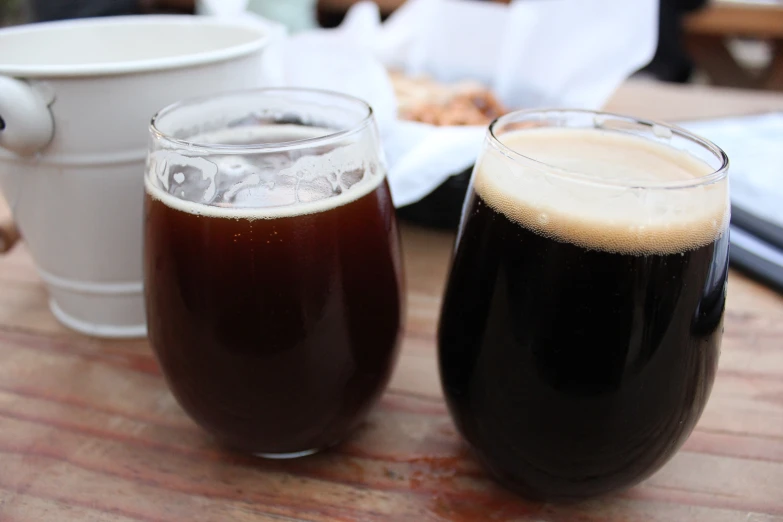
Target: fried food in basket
426,100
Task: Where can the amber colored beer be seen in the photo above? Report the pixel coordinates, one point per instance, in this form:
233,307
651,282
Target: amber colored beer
276,326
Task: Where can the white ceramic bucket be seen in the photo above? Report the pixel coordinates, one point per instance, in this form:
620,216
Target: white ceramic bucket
76,100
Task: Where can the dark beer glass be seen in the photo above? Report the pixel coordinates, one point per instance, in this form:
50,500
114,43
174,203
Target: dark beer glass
272,266
582,320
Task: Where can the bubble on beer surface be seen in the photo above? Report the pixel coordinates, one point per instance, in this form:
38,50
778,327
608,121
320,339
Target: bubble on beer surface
265,184
612,205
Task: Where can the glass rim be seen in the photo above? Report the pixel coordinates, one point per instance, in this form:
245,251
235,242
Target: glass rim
714,176
365,120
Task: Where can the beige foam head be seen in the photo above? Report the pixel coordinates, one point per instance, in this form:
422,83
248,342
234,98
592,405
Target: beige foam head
622,199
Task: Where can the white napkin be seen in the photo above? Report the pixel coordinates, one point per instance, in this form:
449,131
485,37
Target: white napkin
532,53
334,59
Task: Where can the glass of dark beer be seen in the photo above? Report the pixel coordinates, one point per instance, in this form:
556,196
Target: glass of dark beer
582,320
272,265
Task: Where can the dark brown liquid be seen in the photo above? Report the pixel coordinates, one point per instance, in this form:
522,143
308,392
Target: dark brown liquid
573,372
276,335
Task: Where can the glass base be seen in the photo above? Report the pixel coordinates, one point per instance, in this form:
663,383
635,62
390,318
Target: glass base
285,456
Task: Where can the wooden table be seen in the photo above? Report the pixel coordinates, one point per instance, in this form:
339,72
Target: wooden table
89,432
708,29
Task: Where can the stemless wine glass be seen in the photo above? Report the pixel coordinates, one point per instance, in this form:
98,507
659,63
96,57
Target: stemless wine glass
272,265
581,325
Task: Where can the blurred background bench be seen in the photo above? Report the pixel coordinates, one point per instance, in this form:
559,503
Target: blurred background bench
738,43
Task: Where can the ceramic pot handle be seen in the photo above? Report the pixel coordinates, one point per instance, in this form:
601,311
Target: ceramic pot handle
26,125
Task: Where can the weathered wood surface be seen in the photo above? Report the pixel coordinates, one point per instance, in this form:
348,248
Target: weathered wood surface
89,432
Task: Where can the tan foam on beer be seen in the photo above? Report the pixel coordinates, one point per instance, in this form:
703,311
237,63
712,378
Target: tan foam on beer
595,214
329,166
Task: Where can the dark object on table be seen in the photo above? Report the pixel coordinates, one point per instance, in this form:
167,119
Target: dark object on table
756,257
763,229
442,208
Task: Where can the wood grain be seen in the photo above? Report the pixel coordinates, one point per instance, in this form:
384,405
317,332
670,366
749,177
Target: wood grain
89,432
